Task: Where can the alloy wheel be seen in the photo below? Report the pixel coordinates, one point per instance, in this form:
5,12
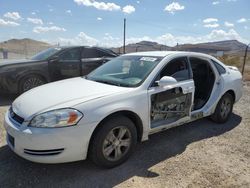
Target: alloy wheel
31,83
117,143
226,106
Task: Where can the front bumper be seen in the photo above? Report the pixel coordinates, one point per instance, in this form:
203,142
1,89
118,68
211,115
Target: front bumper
48,145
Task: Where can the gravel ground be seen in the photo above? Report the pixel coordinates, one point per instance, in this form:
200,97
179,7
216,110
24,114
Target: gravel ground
199,154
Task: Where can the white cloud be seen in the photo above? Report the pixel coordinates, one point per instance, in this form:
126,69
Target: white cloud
209,20
50,8
8,23
80,39
128,9
40,29
173,7
50,23
99,5
33,13
110,41
12,15
107,6
215,35
228,24
69,12
99,18
216,2
138,2
35,21
214,25
242,20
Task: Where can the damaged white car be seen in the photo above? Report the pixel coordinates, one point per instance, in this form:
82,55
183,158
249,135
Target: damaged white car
103,115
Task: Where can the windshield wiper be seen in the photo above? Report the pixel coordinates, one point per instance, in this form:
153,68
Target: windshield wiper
107,82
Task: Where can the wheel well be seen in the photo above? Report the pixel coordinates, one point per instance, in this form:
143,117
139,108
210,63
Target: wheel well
232,93
131,115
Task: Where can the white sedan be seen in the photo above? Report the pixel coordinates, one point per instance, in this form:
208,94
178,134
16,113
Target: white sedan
103,115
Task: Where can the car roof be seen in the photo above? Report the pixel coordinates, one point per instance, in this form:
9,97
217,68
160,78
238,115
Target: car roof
166,53
107,50
75,46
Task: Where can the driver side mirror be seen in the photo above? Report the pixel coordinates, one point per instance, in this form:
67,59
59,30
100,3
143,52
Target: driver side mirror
166,80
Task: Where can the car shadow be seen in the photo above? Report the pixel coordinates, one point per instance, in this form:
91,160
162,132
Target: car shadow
6,100
16,171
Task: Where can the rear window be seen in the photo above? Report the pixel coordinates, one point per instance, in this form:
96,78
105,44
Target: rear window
219,68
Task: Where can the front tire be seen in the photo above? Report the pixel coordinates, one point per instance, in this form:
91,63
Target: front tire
223,109
114,142
29,82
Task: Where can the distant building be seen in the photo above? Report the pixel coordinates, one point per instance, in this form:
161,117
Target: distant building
204,48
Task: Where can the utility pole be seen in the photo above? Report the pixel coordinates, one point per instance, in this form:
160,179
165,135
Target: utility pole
245,58
124,36
25,49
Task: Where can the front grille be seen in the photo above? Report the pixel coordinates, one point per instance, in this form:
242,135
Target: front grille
11,140
43,152
15,117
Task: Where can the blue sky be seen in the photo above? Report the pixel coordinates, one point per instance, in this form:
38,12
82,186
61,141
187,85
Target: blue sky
100,22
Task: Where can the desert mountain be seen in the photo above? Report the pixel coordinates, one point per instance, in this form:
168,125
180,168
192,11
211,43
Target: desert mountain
23,46
227,47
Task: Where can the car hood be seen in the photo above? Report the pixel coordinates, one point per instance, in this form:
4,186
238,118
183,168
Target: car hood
14,62
61,94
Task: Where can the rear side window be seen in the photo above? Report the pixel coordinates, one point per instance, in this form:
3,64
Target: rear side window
90,53
96,53
220,68
103,53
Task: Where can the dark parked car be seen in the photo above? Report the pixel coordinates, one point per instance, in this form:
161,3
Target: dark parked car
51,65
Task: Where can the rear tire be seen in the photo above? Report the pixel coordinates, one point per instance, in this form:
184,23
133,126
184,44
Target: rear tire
29,82
223,109
114,142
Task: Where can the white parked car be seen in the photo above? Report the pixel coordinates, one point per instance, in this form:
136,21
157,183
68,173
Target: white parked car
103,115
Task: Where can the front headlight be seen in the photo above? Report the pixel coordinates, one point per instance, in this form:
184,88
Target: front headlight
56,118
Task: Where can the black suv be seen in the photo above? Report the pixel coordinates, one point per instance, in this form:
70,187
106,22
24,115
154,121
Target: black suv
51,65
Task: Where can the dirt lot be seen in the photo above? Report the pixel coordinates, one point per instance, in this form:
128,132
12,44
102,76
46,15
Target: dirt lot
200,154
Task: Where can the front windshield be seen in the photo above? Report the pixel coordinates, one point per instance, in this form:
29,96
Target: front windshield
45,54
126,71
